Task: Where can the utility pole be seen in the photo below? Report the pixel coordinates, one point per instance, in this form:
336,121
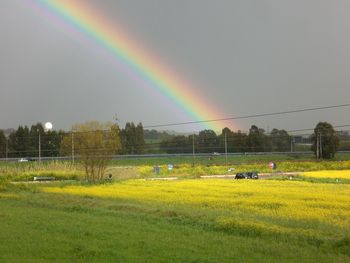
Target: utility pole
321,154
39,147
225,147
7,148
72,147
317,145
291,143
193,150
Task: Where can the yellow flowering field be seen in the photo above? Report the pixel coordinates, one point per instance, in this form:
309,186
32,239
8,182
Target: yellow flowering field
295,208
344,174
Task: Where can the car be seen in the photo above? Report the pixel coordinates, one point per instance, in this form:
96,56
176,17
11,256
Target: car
240,176
247,175
252,175
24,160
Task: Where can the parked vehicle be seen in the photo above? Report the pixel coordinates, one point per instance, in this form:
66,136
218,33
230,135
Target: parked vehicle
23,160
247,175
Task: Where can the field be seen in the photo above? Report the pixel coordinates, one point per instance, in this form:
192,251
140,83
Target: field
190,220
183,167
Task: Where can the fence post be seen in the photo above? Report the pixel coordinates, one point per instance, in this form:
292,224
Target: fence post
72,135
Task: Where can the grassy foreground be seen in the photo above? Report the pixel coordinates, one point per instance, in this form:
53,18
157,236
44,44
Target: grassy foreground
182,221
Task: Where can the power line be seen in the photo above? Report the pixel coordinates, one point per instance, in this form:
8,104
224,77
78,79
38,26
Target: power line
249,116
311,129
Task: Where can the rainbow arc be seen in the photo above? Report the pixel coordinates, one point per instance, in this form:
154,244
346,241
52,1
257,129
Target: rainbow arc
85,19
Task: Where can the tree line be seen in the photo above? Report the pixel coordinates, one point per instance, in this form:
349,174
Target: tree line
25,141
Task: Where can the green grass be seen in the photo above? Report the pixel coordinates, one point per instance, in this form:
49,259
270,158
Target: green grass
135,168
37,226
221,159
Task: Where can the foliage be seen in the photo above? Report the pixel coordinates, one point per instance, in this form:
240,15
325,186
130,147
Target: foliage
27,171
334,174
257,141
3,142
132,139
187,170
24,142
208,142
181,221
94,143
324,141
280,140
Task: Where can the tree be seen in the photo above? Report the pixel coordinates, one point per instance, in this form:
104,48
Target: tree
3,143
239,142
94,143
139,139
207,141
325,141
236,141
35,131
280,140
132,139
257,140
19,142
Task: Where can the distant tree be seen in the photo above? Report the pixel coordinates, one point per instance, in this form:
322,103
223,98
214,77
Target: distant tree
94,143
177,144
19,142
3,142
236,141
225,136
344,140
257,140
325,141
132,139
139,139
129,138
52,141
155,135
280,140
239,142
35,131
207,141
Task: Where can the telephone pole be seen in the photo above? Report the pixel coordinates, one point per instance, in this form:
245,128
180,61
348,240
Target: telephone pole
7,148
321,154
72,147
39,147
226,148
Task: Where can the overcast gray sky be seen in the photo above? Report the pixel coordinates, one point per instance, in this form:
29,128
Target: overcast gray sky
244,56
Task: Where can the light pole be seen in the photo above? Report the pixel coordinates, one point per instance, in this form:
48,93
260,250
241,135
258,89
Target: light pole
39,146
225,148
193,149
47,127
72,147
7,149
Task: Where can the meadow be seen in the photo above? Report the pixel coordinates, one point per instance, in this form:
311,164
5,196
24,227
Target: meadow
192,220
182,167
305,218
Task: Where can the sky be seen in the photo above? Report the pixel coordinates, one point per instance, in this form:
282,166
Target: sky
242,57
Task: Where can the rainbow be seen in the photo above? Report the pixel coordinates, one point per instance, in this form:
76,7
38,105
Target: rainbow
85,19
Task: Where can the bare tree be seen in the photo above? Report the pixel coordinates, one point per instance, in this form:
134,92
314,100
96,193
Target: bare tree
93,143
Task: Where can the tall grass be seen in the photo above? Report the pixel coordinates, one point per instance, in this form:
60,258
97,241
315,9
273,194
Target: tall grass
27,171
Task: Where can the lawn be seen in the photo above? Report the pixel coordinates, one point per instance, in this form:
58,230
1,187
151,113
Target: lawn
180,221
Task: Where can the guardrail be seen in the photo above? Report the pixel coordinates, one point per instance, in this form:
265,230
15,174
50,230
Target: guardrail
145,156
